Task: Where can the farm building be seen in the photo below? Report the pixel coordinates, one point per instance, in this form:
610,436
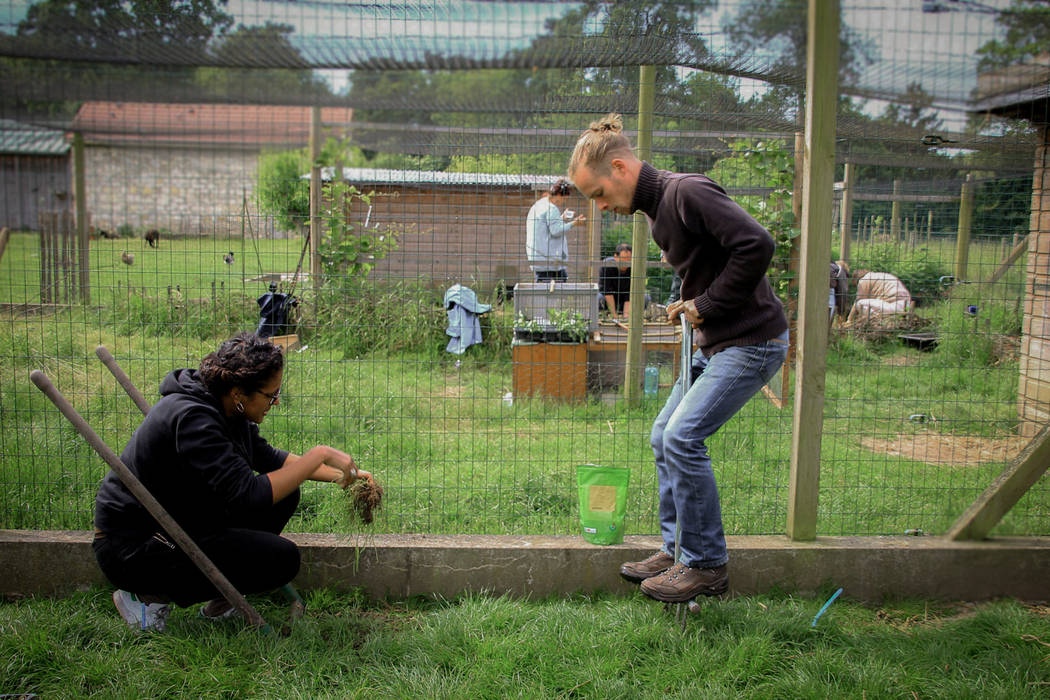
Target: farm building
463,226
35,173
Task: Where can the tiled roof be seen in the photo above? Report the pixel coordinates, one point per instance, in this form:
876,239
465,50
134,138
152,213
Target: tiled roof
25,139
203,124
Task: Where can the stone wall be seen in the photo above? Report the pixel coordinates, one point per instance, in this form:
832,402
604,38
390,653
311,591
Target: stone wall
189,191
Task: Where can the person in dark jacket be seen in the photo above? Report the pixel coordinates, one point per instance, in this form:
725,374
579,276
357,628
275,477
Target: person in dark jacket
200,454
721,254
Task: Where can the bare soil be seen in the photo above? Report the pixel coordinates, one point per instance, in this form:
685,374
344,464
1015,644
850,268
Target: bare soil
950,450
366,497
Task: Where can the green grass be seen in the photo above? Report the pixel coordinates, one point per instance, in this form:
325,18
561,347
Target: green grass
193,264
455,459
580,647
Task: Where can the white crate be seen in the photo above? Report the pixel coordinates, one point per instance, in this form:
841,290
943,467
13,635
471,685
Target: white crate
533,299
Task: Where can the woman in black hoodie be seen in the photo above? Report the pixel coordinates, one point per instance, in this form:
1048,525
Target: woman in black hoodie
200,454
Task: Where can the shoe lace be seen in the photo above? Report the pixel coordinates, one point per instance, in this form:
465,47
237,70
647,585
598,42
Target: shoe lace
675,571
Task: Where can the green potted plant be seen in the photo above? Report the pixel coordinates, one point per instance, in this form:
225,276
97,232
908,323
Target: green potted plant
527,329
569,326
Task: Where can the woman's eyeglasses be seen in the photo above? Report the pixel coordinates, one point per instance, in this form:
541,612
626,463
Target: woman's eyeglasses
274,397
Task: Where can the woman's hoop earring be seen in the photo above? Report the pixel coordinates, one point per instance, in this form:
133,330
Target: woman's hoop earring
240,407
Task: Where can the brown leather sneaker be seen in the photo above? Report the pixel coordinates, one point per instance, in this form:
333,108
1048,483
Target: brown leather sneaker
636,571
681,583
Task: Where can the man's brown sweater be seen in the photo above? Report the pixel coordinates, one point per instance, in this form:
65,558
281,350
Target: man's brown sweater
720,252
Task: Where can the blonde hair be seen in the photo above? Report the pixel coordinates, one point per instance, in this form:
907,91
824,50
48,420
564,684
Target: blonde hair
603,141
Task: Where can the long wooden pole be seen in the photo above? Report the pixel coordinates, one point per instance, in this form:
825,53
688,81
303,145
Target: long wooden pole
632,384
151,504
822,50
122,378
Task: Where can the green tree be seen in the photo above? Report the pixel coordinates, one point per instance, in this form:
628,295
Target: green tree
146,31
280,189
761,26
1027,25
290,83
119,48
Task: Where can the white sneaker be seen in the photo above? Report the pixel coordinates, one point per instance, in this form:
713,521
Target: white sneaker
139,615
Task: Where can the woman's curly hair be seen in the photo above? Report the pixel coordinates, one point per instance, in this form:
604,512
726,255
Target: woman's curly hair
245,361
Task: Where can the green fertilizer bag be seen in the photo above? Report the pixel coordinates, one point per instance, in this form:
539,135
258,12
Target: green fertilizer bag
603,502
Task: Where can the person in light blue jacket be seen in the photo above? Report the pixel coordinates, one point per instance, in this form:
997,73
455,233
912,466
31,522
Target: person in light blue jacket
546,226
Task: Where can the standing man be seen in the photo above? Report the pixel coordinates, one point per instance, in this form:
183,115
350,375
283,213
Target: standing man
721,253
614,281
546,244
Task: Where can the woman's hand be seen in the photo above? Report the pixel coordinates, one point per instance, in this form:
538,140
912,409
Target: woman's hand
352,473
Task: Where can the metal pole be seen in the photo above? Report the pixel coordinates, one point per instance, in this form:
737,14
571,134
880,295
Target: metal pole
196,555
686,379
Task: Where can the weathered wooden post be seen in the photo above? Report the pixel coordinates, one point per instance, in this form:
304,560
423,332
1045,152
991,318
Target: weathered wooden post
822,50
80,201
895,212
846,224
962,245
315,196
632,384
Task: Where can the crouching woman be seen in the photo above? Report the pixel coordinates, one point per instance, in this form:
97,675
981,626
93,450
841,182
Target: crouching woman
200,454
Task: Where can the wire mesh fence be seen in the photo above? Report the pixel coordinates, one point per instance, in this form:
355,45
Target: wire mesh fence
197,157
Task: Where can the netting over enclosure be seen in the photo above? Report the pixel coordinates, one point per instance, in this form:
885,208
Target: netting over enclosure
156,165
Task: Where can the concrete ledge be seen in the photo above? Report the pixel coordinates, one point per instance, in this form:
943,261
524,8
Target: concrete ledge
396,566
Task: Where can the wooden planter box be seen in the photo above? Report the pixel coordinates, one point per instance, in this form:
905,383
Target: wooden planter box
551,370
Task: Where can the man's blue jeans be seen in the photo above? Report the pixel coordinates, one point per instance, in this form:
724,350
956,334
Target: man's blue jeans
688,492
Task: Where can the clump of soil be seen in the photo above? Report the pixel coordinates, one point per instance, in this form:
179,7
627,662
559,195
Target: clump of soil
366,496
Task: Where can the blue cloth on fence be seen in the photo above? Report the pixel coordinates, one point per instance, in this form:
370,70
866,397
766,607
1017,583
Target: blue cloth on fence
463,308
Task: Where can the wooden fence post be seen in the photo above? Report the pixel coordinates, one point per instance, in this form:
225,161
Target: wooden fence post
962,246
821,100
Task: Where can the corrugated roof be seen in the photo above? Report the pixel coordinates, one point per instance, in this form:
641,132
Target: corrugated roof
25,139
382,176
200,124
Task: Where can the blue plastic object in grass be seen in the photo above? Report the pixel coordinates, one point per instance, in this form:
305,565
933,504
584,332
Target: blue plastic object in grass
825,607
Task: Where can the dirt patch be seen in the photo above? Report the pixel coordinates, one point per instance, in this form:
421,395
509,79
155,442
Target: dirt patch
953,450
365,497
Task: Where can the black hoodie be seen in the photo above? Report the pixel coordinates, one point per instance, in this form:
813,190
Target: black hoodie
200,464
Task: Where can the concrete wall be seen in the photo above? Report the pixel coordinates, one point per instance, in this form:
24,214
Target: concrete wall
395,566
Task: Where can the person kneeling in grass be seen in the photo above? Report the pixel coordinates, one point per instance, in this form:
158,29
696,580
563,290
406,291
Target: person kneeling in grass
200,454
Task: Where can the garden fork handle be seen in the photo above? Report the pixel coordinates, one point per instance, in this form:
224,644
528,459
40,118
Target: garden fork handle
122,378
151,504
